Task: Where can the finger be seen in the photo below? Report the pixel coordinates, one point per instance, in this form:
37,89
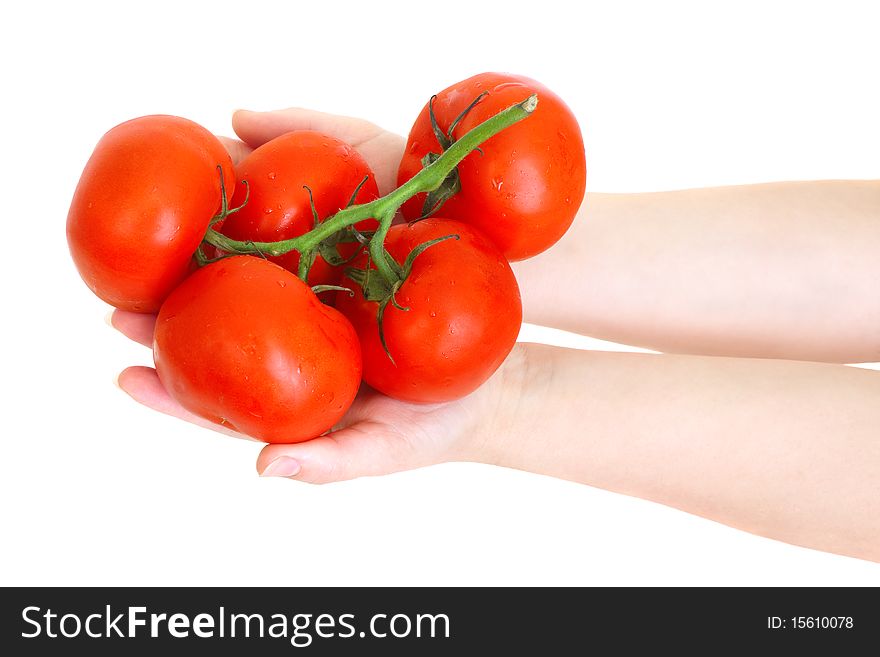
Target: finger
382,150
256,128
136,326
383,154
237,150
357,451
142,384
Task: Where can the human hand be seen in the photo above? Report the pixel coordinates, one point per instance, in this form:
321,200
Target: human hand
378,435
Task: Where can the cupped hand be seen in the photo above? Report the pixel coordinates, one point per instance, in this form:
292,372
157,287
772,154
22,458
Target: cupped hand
378,435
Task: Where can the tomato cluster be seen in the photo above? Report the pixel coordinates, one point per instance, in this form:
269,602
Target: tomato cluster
234,259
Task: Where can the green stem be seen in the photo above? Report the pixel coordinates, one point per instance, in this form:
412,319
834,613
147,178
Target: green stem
377,245
383,209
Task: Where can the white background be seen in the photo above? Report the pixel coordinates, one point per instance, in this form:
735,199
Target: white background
97,490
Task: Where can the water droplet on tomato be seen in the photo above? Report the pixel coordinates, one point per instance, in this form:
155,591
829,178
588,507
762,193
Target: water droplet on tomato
561,135
433,314
271,175
268,210
506,85
413,147
567,200
282,284
497,183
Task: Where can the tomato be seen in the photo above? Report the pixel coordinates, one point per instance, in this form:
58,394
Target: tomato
464,315
524,190
142,206
278,206
245,343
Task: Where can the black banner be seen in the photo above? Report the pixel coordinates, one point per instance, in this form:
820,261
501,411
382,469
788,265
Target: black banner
407,621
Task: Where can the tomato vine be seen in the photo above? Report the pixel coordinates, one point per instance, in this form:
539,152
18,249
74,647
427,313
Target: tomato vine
382,209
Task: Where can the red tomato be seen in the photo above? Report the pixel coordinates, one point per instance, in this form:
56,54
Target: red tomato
463,318
246,344
526,188
142,206
278,206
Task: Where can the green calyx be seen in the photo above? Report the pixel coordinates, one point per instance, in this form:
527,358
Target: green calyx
376,287
451,185
225,211
328,248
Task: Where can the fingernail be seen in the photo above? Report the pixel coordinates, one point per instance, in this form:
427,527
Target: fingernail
108,319
283,466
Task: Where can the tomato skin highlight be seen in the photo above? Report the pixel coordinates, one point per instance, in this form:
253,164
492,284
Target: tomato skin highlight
142,206
278,206
245,343
526,188
464,315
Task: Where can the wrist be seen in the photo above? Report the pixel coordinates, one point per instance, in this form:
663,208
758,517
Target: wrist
506,410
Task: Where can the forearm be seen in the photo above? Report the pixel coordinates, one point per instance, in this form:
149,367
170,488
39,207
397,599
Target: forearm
783,270
788,450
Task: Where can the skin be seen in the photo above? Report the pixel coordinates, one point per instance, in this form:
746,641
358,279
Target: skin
773,446
780,270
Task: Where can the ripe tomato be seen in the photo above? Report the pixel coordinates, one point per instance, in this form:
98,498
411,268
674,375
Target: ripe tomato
246,344
278,206
524,190
463,318
142,206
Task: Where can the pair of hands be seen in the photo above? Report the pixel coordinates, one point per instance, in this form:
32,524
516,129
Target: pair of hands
378,435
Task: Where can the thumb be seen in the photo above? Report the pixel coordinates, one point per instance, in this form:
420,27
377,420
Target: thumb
345,454
381,149
237,150
256,128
